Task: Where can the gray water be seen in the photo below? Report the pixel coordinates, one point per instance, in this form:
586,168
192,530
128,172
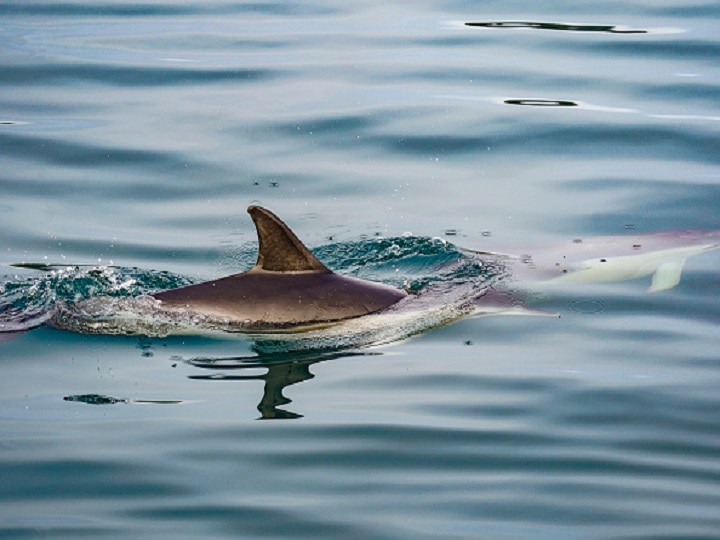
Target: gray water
134,135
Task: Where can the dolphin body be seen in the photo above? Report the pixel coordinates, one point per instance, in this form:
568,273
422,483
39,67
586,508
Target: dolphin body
287,289
661,255
290,290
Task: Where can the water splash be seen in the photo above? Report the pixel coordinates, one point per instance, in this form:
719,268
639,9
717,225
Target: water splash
27,302
442,281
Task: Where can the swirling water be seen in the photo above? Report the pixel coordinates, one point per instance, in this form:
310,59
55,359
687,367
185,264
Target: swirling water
133,135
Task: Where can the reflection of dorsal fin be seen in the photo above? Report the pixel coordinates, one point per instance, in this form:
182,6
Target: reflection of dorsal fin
280,250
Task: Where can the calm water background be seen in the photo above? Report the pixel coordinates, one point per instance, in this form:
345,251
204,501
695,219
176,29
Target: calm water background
137,134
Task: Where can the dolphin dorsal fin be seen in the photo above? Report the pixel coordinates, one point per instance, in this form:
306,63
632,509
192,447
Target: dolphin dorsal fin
280,250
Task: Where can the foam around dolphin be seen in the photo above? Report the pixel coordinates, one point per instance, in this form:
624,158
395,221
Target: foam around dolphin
287,289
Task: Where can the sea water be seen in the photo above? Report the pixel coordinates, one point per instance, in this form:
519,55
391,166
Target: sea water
134,135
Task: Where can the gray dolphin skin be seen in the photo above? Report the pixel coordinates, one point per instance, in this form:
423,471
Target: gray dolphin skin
287,289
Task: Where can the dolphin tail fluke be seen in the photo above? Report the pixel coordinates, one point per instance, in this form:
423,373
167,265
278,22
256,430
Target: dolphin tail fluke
667,275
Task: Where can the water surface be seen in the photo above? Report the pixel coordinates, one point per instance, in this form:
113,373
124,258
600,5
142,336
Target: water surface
135,135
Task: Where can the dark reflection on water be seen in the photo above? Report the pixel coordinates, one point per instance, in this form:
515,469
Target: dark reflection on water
95,399
541,102
100,399
283,370
556,26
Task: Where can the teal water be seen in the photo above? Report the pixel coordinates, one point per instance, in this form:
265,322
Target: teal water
134,135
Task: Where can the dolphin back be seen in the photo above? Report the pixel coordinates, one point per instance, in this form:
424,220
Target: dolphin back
288,288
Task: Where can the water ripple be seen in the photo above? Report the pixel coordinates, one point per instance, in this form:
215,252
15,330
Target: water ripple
705,52
112,10
81,479
139,131
132,76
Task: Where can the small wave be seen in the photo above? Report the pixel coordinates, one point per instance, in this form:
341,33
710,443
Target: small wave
29,302
429,306
442,281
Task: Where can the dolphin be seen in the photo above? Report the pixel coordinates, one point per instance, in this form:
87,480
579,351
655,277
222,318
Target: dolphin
661,255
288,289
